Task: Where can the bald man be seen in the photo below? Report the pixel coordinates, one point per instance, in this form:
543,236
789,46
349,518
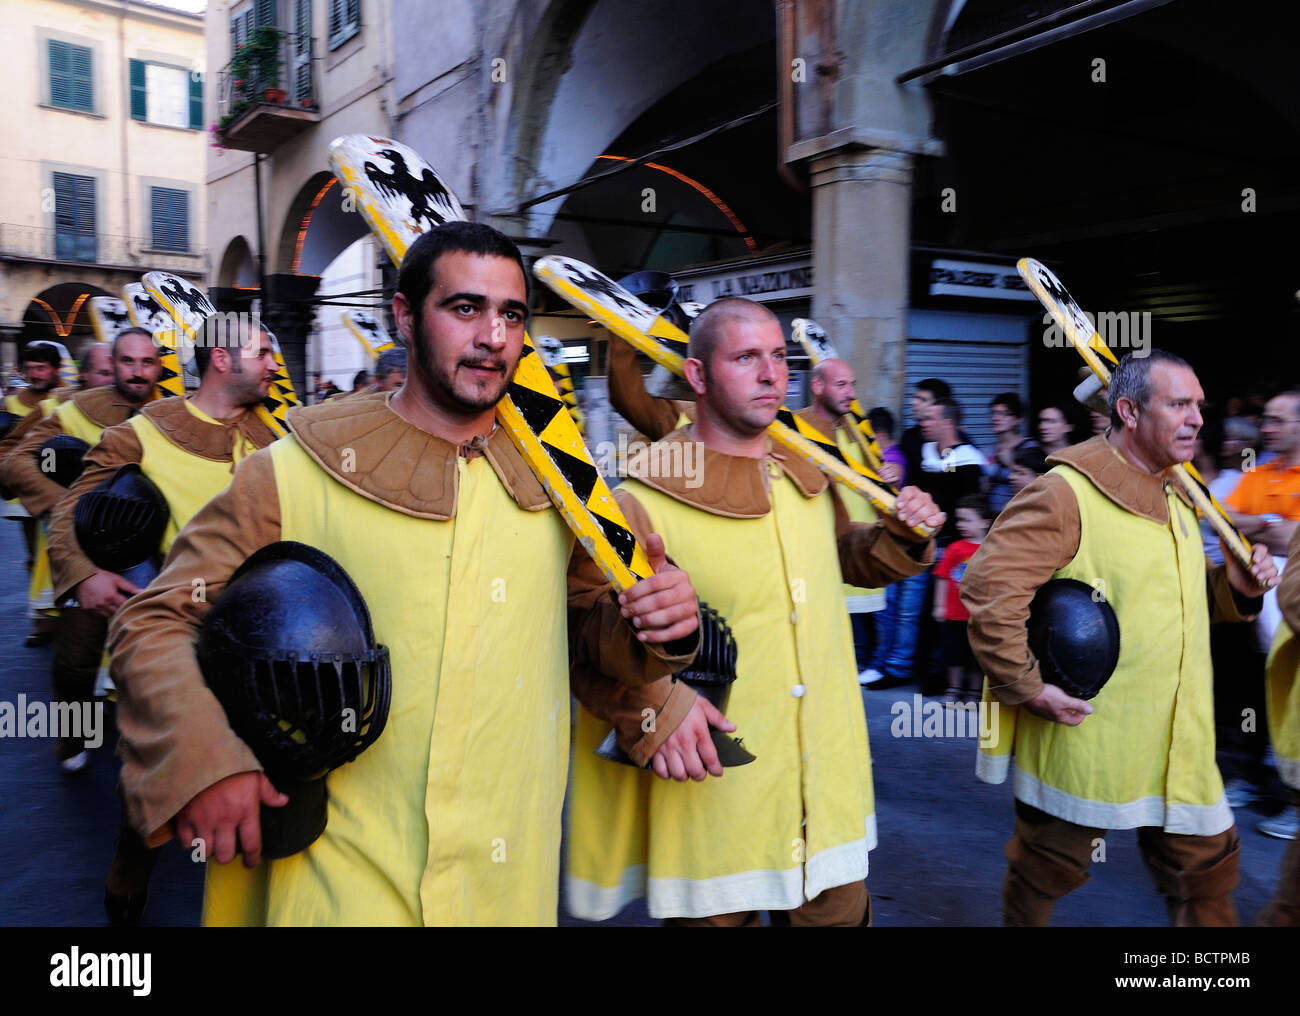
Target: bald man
834,390
768,544
96,365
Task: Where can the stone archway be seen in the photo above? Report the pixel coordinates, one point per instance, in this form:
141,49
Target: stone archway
237,269
322,236
585,79
318,227
60,314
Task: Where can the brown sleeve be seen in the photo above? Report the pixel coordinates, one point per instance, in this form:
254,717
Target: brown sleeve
1036,534
68,564
643,717
615,675
651,416
1226,604
1288,590
870,555
22,471
10,441
176,741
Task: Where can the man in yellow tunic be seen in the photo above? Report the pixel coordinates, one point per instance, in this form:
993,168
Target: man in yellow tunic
765,540
834,390
95,369
79,637
188,448
453,815
1140,755
40,362
1284,729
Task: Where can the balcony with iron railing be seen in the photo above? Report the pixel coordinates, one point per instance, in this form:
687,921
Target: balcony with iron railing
267,93
99,250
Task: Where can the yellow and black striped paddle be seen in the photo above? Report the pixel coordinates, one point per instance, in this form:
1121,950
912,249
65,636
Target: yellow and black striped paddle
148,313
628,317
400,196
108,317
551,351
1098,356
367,330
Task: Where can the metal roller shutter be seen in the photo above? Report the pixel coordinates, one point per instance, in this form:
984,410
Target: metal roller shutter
979,356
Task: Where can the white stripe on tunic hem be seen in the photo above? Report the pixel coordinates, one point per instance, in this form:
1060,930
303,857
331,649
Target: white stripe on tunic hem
1288,769
766,889
1185,819
590,902
992,768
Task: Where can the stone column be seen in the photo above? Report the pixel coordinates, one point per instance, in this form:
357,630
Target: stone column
862,202
289,313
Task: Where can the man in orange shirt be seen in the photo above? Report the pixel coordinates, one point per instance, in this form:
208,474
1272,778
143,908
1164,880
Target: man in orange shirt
1266,504
1266,508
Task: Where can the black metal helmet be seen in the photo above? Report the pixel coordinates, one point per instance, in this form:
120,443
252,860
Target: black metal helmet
121,522
1074,634
658,290
61,458
289,652
711,674
8,421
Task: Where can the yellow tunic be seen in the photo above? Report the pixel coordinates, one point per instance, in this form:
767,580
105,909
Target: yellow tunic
40,591
858,599
13,508
17,406
453,816
1284,703
186,480
800,819
1145,756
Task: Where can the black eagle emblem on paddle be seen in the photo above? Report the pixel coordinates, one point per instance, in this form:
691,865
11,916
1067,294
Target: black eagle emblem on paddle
192,299
428,198
117,318
602,286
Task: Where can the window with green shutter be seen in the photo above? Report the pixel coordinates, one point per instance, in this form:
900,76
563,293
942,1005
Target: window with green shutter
170,215
74,217
139,100
71,82
196,101
166,95
345,21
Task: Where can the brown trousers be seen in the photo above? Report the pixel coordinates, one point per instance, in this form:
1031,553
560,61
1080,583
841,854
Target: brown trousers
1284,910
842,906
1047,858
78,648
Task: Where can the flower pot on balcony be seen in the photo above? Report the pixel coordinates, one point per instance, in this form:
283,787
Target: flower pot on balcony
276,95
307,102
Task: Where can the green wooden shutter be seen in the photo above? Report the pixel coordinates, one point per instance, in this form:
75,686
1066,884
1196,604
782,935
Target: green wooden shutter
74,217
60,74
196,101
300,49
83,86
139,103
265,12
170,214
158,218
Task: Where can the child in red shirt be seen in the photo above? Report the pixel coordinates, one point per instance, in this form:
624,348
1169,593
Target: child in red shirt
965,679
